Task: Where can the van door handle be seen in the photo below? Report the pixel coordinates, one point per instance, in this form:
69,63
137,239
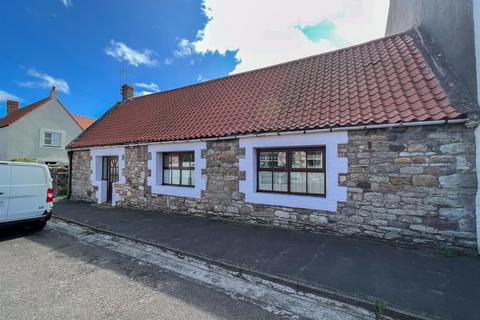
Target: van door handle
1,193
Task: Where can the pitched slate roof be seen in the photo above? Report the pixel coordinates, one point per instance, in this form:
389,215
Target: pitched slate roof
21,112
383,81
83,121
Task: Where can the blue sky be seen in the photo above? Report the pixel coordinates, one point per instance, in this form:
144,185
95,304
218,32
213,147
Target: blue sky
81,45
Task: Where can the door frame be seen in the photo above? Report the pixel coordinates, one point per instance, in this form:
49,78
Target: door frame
99,185
110,174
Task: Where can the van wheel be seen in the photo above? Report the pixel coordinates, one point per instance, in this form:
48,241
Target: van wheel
38,225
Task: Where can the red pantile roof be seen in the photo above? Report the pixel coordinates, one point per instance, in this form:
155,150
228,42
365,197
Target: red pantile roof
382,81
83,121
21,112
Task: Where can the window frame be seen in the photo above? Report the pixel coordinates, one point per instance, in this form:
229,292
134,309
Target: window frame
180,168
104,168
51,145
288,169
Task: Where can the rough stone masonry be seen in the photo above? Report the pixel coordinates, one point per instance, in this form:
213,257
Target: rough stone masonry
411,185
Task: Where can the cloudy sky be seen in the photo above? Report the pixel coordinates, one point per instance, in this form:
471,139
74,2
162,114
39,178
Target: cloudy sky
81,46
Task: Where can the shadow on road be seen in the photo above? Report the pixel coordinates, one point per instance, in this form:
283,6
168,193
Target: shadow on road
16,231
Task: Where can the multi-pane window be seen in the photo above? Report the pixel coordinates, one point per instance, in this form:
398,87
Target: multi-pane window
296,170
179,169
52,139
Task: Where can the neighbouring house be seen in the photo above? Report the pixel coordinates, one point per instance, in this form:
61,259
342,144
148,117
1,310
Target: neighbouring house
39,131
450,24
83,121
374,140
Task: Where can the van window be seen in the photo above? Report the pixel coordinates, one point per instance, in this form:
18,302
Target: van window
22,175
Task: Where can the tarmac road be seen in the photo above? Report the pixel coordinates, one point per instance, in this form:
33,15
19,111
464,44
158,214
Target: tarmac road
51,275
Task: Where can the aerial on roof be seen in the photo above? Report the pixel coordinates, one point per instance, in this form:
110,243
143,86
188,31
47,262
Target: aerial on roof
383,81
83,121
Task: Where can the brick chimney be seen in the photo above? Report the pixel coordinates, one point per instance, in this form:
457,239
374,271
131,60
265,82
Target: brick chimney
12,106
53,92
127,92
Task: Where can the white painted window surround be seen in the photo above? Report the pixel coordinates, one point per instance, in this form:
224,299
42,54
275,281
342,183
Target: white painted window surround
155,164
334,166
57,132
96,176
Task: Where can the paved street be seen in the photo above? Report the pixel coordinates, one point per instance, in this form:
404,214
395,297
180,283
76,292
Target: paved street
50,275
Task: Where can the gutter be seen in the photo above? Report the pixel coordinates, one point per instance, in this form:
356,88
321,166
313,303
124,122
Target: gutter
282,133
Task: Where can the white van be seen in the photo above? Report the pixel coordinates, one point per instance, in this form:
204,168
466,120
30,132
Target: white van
26,194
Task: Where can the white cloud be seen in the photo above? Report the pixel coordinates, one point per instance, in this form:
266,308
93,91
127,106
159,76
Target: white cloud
270,31
46,81
184,48
4,96
144,93
122,52
67,3
148,86
201,78
168,61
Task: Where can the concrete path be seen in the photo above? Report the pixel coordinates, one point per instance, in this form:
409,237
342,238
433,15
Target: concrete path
416,281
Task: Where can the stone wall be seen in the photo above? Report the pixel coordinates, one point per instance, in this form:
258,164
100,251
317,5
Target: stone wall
82,188
411,185
415,185
59,174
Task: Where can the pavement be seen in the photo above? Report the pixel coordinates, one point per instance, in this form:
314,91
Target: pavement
410,282
50,275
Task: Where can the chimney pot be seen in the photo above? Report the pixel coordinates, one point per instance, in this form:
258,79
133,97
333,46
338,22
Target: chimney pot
127,92
53,92
12,106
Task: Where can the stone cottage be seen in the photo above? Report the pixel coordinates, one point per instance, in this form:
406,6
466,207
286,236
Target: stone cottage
374,140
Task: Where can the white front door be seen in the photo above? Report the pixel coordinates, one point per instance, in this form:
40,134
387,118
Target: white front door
4,190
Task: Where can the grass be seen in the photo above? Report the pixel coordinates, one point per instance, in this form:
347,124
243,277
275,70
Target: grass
64,193
379,309
23,160
61,195
90,232
448,253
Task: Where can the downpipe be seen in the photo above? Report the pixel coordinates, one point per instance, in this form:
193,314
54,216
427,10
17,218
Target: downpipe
70,156
477,166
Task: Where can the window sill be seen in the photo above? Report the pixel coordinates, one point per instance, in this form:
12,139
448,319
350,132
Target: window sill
292,200
293,194
177,191
176,185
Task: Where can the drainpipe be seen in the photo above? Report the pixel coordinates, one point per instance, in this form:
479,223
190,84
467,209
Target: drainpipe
477,168
476,27
70,155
